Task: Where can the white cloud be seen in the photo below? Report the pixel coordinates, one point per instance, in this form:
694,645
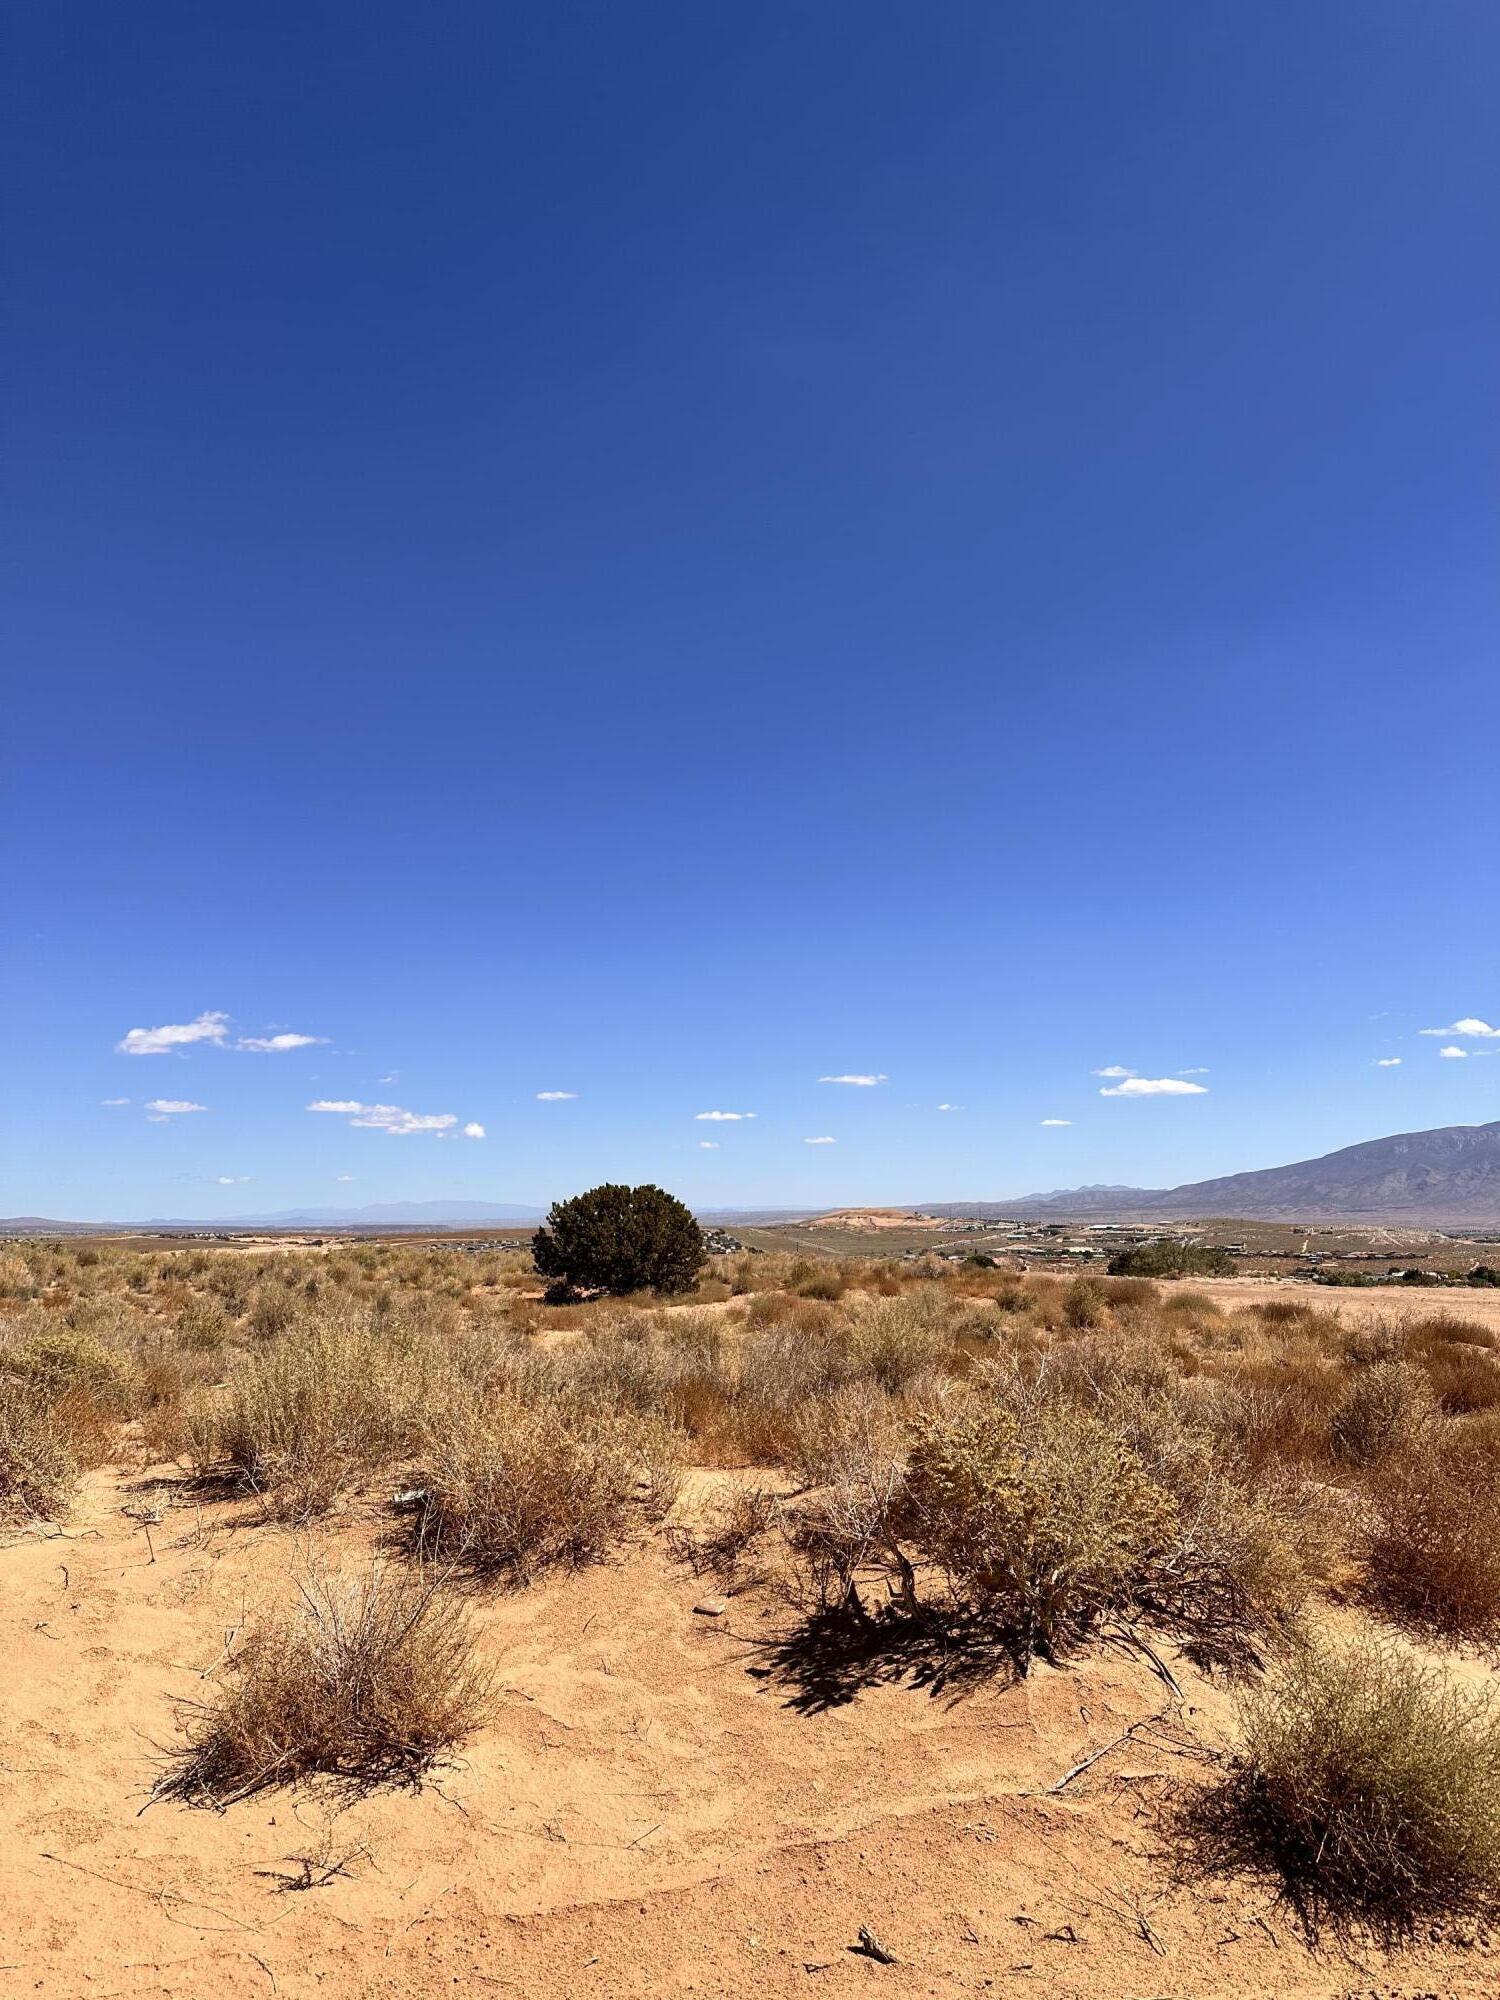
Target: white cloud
160,1109
275,1045
1057,1121
708,1145
722,1117
1480,1031
392,1118
1454,1054
161,1041
1155,1086
474,1130
1200,1071
394,1077
1387,1062
825,1141
344,1177
555,1096
114,1100
1114,1069
864,1082
232,1180
950,1107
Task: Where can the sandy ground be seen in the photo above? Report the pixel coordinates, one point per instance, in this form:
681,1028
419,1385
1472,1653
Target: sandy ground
1479,1302
654,1810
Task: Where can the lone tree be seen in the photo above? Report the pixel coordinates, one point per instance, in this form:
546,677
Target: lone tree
620,1239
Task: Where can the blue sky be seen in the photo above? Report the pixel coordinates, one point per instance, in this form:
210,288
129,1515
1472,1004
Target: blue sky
665,553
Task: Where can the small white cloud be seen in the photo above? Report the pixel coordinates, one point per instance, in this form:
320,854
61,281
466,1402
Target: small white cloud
555,1096
1114,1069
1454,1054
708,1145
1057,1121
950,1107
824,1141
1155,1086
1479,1031
394,1077
1193,1072
863,1082
722,1117
275,1045
1388,1062
160,1108
474,1130
114,1100
344,1177
161,1041
392,1118
232,1180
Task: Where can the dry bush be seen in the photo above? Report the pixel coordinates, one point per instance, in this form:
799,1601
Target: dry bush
306,1417
371,1682
1041,1527
513,1488
896,1340
1383,1408
1430,1536
38,1465
734,1523
1371,1783
66,1361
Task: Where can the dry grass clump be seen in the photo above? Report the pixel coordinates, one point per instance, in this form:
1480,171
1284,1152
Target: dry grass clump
1370,1782
308,1415
371,1681
1430,1534
38,1465
514,1488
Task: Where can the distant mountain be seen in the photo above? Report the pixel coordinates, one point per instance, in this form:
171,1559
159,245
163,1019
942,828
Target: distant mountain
1449,1175
390,1214
377,1215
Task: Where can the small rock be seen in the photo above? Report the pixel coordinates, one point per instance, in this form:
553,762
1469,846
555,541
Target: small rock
711,1607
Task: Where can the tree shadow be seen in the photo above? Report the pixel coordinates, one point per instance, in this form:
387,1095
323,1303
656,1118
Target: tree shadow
837,1654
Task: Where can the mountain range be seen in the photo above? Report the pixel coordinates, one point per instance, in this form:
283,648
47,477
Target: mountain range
1450,1175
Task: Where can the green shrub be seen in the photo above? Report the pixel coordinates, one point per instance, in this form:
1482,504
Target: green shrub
621,1240
1171,1259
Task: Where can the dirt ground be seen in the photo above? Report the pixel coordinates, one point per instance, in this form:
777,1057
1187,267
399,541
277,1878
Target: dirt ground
1352,1304
662,1805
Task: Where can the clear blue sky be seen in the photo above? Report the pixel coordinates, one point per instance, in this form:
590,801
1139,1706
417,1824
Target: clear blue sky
665,552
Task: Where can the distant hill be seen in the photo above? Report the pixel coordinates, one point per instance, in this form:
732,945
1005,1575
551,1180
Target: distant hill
392,1214
1448,1175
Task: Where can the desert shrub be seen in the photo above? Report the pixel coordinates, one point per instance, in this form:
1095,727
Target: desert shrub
620,1240
733,1524
203,1326
304,1417
16,1280
273,1311
824,1281
1171,1259
371,1681
1383,1408
512,1488
1371,1783
895,1340
38,1465
832,1435
1430,1534
1041,1528
65,1361
1086,1305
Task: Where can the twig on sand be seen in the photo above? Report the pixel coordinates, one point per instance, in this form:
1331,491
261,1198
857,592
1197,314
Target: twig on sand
1078,1769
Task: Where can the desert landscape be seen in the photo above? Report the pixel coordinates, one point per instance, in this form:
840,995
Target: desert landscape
716,1659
